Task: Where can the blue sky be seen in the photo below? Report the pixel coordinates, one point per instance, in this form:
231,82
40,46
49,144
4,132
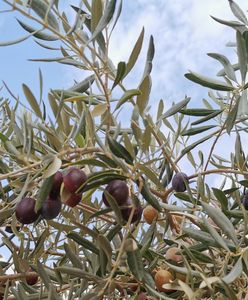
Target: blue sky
183,33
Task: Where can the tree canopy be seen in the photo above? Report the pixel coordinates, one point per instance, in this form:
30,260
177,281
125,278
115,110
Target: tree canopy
92,209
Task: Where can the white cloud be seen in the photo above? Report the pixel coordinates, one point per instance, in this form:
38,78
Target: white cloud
183,31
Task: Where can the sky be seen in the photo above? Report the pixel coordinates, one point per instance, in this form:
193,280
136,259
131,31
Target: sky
183,32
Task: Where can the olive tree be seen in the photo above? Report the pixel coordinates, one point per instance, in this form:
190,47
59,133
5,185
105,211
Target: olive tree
92,209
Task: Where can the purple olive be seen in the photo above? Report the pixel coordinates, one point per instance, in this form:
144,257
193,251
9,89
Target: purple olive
25,212
178,182
31,279
51,207
118,189
73,179
126,211
57,181
73,200
245,201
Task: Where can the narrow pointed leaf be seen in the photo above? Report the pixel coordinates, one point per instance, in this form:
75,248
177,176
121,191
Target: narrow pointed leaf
221,220
175,109
207,118
118,150
215,235
43,274
205,238
76,272
143,98
121,69
149,197
32,100
135,52
38,34
82,86
232,116
221,197
209,82
43,10
96,13
149,57
105,19
53,167
198,112
126,96
196,130
242,55
229,71
83,242
135,263
195,144
106,246
237,11
234,24
234,273
72,256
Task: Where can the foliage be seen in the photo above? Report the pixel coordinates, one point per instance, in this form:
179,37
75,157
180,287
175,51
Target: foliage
89,252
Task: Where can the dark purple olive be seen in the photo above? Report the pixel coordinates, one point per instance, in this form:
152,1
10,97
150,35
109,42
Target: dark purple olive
73,179
73,200
25,212
118,189
245,201
126,211
142,296
51,208
31,279
57,181
178,182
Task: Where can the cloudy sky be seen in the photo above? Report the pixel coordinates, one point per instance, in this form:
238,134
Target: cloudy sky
183,32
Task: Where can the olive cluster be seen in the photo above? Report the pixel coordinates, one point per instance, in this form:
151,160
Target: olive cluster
72,179
119,191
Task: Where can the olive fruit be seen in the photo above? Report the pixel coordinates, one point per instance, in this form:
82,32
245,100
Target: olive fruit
31,279
178,182
73,179
51,207
163,277
172,254
245,201
25,212
57,181
73,200
118,189
150,213
142,296
126,211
